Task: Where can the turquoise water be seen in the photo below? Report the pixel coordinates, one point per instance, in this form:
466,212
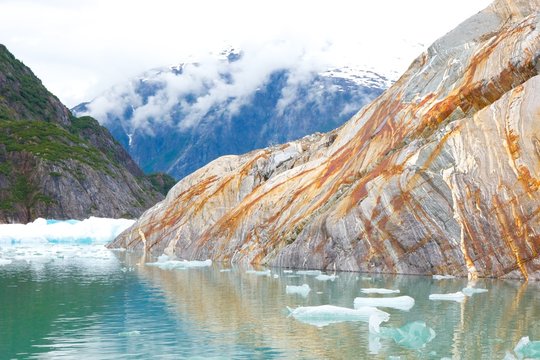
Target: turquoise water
73,302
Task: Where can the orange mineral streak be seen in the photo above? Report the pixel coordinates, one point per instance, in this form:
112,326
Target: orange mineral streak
395,147
511,236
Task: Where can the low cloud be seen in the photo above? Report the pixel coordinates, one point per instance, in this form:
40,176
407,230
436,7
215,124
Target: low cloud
211,86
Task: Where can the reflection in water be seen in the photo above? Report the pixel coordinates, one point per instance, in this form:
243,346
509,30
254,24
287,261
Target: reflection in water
113,306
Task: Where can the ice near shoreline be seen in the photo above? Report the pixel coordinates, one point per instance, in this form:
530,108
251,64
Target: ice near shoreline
89,231
166,263
302,290
76,241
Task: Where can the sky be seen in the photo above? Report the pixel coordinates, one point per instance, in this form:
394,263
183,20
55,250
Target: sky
81,48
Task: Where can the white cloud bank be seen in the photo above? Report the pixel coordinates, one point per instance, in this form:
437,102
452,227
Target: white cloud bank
81,48
214,84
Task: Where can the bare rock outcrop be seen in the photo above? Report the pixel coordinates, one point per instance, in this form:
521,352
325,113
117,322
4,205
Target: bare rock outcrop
440,174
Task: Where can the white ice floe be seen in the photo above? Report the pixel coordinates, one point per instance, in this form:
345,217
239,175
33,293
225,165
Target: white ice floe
470,291
324,315
287,271
400,302
225,270
276,276
309,272
89,231
457,296
443,277
413,335
267,272
180,264
527,349
62,243
379,291
324,277
302,290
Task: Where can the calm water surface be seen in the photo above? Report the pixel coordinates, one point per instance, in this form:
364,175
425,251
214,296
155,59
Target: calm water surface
73,302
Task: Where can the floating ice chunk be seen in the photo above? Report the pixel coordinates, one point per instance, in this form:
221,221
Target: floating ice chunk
470,291
379,291
509,356
180,264
457,296
225,270
443,277
324,277
89,231
5,262
309,272
375,319
527,349
413,335
276,276
287,271
400,302
302,290
267,272
130,333
163,258
374,344
324,315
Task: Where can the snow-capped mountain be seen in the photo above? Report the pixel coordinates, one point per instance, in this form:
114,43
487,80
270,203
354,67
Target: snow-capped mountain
176,119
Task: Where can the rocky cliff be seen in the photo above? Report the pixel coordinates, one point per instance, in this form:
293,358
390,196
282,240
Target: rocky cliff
55,165
440,174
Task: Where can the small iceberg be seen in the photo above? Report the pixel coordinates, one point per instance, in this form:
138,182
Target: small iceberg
302,290
225,270
324,277
93,230
324,315
457,296
309,272
470,291
414,335
179,264
527,349
443,277
400,302
379,291
287,271
267,272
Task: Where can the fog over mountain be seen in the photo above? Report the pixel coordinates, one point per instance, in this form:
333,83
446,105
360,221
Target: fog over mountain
178,118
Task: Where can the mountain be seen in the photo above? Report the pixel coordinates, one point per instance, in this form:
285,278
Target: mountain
439,175
55,165
178,119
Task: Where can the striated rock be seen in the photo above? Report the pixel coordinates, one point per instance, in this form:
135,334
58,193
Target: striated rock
439,175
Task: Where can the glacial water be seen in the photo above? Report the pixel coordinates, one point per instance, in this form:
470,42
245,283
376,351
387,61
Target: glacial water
81,301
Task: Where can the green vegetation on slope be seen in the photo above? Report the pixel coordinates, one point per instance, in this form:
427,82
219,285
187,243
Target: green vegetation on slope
48,141
162,182
22,95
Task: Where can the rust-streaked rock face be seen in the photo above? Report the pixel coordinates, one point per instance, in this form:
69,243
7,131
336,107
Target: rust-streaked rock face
441,174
